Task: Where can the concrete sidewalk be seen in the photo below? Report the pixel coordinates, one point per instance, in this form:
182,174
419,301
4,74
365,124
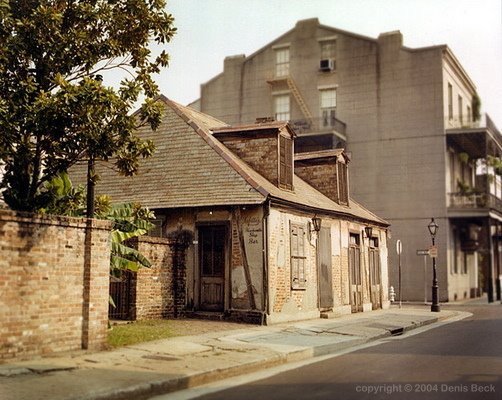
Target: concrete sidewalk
144,370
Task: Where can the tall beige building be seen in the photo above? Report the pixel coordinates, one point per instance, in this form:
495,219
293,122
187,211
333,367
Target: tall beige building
409,118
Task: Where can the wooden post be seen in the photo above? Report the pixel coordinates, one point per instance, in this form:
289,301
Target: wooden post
242,247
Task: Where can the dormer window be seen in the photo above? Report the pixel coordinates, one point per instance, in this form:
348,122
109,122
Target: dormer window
327,171
285,162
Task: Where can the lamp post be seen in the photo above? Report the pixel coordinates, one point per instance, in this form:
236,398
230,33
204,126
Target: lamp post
433,228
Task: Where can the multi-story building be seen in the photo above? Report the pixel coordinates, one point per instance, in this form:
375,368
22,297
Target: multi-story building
410,120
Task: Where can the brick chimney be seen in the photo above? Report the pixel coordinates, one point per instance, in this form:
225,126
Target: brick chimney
267,147
327,171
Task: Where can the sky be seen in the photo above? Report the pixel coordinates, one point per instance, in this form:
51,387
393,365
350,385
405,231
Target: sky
210,30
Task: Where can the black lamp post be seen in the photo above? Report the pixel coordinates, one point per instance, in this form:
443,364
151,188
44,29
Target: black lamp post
433,228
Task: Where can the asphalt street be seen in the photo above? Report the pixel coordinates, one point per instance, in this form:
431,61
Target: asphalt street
462,360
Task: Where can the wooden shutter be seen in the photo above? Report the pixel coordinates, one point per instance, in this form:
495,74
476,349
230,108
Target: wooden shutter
286,162
298,258
343,185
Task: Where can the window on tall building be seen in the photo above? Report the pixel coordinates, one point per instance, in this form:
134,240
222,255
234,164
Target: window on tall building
460,109
286,162
450,101
328,49
469,114
328,107
328,54
282,62
281,107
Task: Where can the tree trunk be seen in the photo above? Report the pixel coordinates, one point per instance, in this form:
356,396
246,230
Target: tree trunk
90,187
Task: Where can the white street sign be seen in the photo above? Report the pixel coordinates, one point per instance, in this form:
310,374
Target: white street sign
399,247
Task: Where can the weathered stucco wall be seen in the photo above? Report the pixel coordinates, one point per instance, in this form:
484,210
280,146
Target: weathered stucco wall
54,282
287,303
242,290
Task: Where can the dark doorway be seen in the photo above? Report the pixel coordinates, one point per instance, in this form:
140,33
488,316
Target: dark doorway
212,240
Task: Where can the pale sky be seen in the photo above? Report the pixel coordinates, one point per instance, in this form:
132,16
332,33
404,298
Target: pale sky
210,30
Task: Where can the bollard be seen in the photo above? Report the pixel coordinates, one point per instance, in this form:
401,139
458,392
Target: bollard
392,294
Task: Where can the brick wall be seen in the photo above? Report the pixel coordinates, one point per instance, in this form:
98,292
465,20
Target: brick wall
154,294
53,283
261,153
321,174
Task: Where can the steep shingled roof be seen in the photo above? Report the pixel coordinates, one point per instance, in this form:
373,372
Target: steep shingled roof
191,168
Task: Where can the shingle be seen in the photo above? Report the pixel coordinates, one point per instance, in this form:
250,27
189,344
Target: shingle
191,168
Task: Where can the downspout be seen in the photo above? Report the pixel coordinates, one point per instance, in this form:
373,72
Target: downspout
266,291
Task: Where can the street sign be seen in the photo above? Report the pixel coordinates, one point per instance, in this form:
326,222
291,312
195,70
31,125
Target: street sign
423,252
433,251
399,247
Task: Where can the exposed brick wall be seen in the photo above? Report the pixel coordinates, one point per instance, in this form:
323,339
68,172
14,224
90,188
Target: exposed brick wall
155,296
260,153
53,283
321,175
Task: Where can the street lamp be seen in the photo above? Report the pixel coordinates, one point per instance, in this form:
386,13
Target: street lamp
316,222
369,231
433,228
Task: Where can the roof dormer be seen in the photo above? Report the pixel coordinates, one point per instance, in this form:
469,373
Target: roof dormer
327,171
268,147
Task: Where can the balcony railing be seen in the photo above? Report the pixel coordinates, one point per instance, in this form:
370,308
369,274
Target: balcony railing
318,125
474,201
464,123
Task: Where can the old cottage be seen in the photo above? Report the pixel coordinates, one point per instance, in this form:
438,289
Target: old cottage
269,237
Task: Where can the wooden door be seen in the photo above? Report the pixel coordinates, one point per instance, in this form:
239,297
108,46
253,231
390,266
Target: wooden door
212,241
375,274
356,285
325,270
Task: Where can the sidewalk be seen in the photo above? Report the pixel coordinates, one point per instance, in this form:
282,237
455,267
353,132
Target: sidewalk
144,370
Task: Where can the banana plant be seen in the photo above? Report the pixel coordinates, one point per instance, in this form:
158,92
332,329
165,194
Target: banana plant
129,221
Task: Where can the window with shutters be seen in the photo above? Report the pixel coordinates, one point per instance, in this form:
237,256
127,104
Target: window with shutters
298,257
343,183
355,259
285,163
374,261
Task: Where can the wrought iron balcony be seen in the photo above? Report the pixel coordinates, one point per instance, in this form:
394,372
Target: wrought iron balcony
474,201
457,122
319,125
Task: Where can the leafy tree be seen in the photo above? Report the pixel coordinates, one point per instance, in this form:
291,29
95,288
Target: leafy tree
55,109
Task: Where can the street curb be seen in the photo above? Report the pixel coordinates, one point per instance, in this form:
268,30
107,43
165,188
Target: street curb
145,391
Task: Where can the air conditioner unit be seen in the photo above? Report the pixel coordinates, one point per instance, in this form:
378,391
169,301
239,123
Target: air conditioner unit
327,65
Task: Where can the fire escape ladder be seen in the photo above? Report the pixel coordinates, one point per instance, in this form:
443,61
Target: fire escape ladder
299,99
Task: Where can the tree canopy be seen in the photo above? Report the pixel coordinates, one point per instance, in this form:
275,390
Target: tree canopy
55,107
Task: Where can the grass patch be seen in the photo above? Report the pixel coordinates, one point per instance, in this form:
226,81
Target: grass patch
138,332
